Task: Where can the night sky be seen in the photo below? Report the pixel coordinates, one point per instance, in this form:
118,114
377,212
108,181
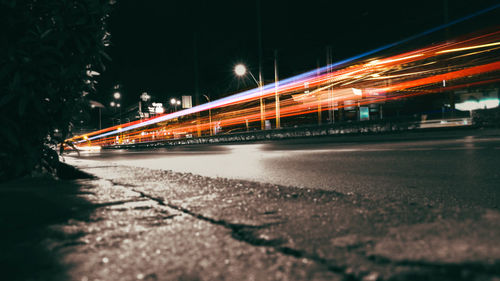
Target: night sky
153,46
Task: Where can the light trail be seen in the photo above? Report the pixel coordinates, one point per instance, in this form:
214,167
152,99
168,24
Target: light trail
469,48
362,82
250,94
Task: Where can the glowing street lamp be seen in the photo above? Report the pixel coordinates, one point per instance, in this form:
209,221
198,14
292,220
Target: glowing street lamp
241,70
175,103
115,103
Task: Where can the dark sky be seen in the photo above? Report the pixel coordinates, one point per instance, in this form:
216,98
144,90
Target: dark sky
154,40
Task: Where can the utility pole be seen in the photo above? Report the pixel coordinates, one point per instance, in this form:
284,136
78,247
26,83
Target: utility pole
259,43
451,94
319,96
196,73
276,96
196,80
329,61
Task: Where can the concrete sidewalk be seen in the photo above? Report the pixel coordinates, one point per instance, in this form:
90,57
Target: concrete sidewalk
139,224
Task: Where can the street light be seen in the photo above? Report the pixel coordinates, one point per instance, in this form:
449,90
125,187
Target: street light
115,103
241,70
175,103
209,114
94,104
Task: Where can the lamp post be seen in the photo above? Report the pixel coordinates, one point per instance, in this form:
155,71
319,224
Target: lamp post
99,108
94,104
116,103
241,70
209,114
175,102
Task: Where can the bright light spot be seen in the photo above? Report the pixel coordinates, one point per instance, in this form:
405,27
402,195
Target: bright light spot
357,92
240,69
145,96
489,103
91,73
117,105
93,148
467,105
112,103
172,101
117,95
85,137
474,105
178,102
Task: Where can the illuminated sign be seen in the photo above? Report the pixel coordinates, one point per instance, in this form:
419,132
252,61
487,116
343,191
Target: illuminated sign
156,108
187,102
364,113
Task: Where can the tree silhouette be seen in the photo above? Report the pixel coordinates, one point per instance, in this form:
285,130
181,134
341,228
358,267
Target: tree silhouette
50,52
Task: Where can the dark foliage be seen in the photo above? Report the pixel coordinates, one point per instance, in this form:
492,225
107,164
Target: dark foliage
49,52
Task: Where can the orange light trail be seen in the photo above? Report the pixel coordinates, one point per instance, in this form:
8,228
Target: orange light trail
369,81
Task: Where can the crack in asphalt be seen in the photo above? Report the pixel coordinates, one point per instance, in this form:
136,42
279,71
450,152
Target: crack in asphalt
113,203
457,271
247,233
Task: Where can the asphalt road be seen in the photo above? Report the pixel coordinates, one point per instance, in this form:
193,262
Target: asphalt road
451,169
419,206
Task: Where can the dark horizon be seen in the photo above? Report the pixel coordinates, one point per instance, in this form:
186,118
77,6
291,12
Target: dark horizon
153,45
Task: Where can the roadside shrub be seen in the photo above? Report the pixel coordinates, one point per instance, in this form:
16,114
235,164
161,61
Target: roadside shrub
50,51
